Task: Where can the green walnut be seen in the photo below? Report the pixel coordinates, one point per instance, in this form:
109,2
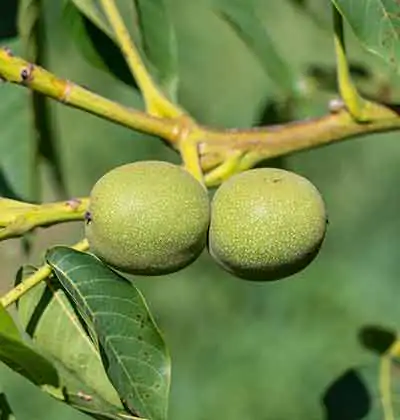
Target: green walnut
266,224
148,218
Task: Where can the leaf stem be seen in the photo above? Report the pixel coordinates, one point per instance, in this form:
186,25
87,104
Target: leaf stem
356,104
41,274
156,102
191,160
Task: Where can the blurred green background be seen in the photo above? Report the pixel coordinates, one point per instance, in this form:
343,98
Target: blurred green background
240,350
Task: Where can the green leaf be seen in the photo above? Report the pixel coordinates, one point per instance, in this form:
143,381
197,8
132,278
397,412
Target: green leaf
149,25
80,396
382,379
381,385
243,19
159,42
8,18
18,152
5,409
115,312
96,45
376,24
32,30
48,317
22,358
93,11
28,402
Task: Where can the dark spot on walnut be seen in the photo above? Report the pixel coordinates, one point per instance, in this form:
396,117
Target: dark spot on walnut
88,217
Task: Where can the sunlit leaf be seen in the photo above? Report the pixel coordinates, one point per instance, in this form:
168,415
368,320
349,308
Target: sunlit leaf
376,23
27,402
50,320
135,354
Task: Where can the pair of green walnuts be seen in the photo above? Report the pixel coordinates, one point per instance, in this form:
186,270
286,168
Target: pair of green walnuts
154,218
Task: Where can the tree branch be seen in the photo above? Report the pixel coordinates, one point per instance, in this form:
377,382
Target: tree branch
258,144
18,71
222,152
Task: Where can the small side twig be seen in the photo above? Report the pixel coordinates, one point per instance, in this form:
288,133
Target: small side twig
18,218
38,276
156,102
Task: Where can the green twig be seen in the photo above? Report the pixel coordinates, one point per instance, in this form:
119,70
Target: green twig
361,109
18,218
156,102
19,71
38,276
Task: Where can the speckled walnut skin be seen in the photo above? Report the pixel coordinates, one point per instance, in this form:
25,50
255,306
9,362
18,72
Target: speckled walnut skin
266,224
148,218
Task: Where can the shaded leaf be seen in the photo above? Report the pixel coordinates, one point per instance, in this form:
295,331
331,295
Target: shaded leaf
18,152
22,358
382,378
243,18
96,45
159,42
48,317
347,397
5,409
93,11
32,32
28,402
79,395
148,24
317,11
376,23
8,19
134,352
